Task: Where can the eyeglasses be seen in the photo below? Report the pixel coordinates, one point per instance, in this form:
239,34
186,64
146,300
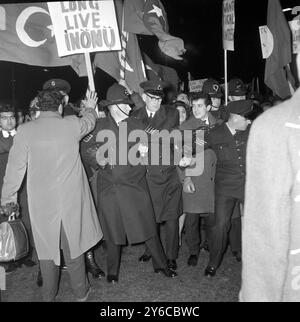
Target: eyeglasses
156,98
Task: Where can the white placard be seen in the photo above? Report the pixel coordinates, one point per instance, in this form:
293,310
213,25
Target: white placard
228,24
196,85
295,28
266,41
84,26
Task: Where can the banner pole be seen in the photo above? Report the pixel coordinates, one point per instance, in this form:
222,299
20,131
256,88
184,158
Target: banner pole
89,71
90,74
225,78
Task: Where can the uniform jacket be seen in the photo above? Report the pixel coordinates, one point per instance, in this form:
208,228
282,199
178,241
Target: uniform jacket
57,186
271,238
231,160
202,200
163,181
124,204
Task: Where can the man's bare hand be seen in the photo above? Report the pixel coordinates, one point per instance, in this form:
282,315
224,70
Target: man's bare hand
90,100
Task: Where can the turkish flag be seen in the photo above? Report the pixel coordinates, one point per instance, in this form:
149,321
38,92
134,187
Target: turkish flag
27,37
275,69
110,62
148,17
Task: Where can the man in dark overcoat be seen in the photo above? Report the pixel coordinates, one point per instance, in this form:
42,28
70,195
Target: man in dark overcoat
163,181
124,204
229,142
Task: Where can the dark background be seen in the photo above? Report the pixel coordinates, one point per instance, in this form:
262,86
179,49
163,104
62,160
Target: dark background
197,22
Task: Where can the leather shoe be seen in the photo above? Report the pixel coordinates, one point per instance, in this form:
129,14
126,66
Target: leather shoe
39,280
145,258
112,279
171,263
166,271
92,267
237,256
210,271
11,267
192,260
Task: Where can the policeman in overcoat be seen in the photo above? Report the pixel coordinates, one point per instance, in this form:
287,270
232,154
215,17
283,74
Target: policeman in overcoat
124,204
229,142
163,181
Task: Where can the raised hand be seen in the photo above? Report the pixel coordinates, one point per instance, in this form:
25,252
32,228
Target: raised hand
90,100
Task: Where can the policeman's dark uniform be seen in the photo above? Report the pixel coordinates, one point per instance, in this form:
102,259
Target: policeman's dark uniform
123,200
229,180
163,181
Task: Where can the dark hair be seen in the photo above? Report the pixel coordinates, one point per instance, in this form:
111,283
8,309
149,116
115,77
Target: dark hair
200,95
49,100
185,106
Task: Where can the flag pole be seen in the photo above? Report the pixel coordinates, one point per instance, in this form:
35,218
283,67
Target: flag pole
225,78
89,71
90,74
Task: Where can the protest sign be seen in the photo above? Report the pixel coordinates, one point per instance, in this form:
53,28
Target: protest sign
196,85
266,41
228,24
84,26
295,28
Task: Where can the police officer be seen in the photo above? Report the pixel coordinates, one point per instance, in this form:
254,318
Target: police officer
228,140
124,204
213,89
163,181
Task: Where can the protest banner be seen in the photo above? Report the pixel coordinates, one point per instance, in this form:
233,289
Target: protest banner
228,36
228,24
266,41
295,28
196,85
85,27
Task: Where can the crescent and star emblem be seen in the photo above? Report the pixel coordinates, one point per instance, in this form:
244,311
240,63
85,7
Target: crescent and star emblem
21,22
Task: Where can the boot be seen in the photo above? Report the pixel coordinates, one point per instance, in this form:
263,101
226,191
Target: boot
91,265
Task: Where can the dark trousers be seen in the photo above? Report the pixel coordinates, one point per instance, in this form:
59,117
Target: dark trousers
26,219
153,245
219,226
195,232
76,270
171,239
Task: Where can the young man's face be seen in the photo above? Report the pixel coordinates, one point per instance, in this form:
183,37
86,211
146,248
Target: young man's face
199,108
7,121
153,102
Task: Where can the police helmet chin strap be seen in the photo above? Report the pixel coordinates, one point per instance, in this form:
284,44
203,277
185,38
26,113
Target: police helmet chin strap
122,110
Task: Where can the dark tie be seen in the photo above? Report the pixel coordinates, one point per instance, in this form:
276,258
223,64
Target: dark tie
151,116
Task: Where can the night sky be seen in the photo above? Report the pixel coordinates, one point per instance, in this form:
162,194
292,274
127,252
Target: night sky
197,22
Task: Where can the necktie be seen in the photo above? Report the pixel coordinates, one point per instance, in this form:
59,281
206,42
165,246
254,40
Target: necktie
151,116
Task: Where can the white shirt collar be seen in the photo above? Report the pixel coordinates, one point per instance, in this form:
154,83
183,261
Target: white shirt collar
233,131
206,120
6,133
149,113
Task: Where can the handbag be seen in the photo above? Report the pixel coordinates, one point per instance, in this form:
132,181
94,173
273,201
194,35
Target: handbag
14,242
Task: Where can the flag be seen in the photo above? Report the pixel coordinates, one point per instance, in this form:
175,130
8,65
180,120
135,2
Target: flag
281,56
27,37
111,62
148,17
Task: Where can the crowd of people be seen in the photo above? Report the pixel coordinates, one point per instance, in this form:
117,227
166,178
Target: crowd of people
74,197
